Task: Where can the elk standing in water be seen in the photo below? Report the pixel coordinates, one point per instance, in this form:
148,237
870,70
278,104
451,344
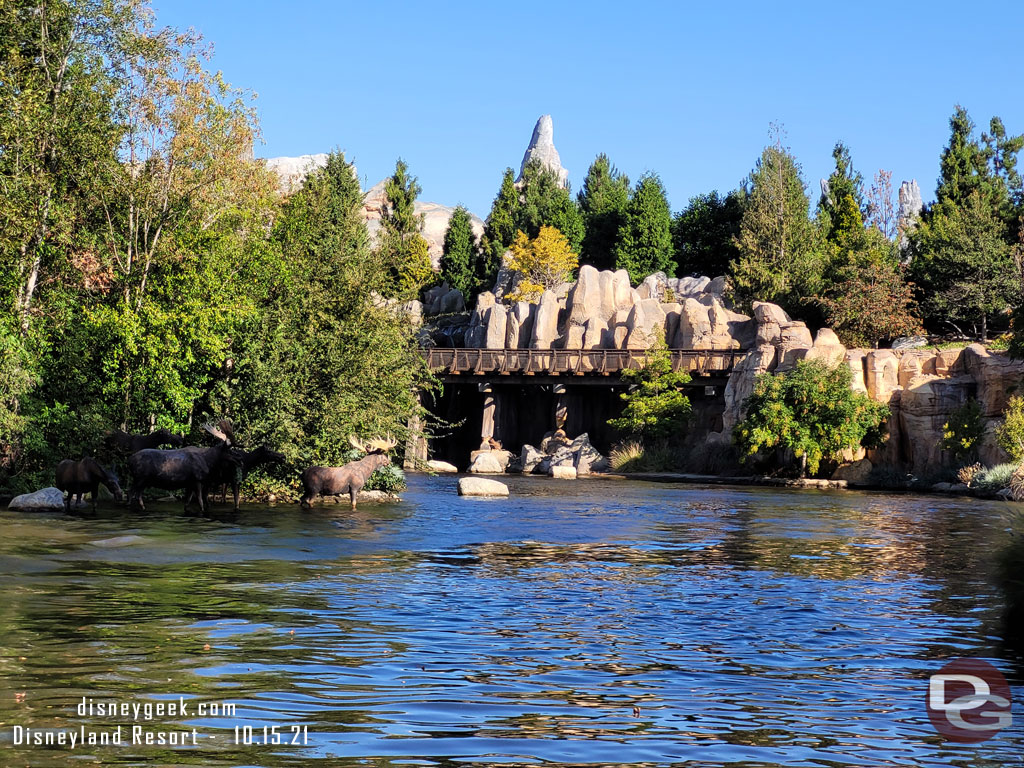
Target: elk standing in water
350,479
85,476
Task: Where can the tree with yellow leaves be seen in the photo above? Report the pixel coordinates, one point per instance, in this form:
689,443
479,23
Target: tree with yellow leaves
543,263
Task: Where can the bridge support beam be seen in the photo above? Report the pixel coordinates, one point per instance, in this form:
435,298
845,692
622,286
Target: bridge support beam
490,419
416,444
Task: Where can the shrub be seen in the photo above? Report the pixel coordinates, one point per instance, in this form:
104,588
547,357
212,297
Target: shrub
626,456
968,475
655,406
389,478
1010,434
963,431
994,479
812,412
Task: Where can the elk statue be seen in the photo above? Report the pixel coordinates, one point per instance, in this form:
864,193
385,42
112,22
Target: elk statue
350,479
187,468
85,476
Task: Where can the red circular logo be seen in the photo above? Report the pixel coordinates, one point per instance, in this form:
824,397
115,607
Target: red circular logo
969,701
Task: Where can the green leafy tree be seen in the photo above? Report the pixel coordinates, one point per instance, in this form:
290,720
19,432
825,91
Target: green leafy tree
499,229
602,202
543,263
810,412
779,259
963,432
460,255
963,264
656,407
704,234
326,359
645,236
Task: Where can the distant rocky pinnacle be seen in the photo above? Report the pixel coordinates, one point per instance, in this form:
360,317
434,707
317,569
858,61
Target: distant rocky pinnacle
911,205
292,171
542,147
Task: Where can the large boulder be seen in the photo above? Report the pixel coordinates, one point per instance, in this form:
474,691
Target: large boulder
561,472
855,473
47,499
529,459
441,466
827,347
489,462
545,323
481,486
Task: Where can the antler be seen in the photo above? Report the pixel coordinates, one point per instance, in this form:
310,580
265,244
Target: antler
222,431
354,441
383,445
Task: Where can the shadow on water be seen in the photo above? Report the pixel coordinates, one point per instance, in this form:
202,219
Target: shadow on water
596,622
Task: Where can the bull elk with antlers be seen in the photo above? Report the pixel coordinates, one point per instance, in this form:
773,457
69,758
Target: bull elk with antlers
350,479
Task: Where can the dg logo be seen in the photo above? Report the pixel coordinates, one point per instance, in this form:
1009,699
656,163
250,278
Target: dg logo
969,701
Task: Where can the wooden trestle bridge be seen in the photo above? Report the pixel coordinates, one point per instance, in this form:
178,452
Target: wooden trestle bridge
457,364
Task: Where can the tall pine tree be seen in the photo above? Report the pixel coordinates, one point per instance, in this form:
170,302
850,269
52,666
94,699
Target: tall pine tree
778,243
645,236
704,234
459,257
500,228
403,249
602,202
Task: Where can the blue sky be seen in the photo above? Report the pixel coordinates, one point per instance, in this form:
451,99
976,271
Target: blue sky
686,90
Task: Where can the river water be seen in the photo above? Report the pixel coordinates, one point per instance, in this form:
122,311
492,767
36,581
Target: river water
600,622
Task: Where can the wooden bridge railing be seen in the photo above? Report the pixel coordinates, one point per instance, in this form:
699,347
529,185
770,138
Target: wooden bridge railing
556,362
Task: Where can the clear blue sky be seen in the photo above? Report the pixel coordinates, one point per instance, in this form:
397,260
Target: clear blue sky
687,90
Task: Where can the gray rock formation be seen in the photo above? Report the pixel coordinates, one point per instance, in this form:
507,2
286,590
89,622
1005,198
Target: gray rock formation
910,208
43,500
292,171
542,147
481,486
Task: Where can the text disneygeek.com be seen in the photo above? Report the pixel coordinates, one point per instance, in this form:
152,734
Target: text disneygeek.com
135,725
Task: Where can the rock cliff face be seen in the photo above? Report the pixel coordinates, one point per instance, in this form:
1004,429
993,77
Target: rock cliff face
542,147
292,171
602,311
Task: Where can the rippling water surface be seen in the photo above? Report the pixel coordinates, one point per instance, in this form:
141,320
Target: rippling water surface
597,622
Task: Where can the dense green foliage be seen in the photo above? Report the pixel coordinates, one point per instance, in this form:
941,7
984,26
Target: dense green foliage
779,259
460,256
401,248
644,243
149,275
602,201
964,430
704,234
811,413
539,200
656,407
1010,434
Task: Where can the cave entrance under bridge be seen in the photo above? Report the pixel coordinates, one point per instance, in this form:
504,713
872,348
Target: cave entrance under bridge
518,396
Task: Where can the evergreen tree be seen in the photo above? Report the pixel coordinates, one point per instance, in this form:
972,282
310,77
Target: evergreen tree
459,257
403,250
841,205
645,236
544,202
704,234
499,229
1001,152
962,166
963,265
778,243
602,202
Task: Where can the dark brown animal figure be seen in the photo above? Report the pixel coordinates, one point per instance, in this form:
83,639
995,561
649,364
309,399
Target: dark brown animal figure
85,476
182,468
233,471
350,479
127,443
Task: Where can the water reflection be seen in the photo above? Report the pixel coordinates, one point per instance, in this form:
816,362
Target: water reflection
597,622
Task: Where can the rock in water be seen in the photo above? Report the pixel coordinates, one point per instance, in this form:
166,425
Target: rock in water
480,486
542,147
488,463
441,466
39,501
563,473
